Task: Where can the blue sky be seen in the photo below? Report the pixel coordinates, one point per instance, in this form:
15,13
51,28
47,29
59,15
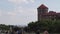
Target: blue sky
21,12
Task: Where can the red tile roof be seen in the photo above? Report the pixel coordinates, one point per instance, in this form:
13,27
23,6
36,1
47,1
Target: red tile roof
42,6
50,13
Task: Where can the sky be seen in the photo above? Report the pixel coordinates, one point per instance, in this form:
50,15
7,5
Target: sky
21,12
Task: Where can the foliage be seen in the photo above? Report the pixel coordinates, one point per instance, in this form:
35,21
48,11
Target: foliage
51,25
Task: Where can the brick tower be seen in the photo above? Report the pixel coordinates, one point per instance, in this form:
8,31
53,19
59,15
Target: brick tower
41,10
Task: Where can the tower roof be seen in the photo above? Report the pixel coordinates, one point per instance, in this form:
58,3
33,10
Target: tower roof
42,6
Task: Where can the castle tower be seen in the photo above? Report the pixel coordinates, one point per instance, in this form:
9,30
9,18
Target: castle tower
41,10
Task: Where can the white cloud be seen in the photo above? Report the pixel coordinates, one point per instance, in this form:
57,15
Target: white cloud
23,14
11,13
32,1
19,15
21,1
16,11
18,1
21,10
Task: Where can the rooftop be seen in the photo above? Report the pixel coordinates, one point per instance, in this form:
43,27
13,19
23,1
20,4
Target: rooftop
42,6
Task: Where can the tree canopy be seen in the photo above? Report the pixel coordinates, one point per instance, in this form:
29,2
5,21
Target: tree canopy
51,25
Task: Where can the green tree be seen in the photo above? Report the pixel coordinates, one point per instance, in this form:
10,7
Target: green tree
50,25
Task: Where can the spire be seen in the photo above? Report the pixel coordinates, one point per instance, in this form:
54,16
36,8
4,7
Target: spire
42,6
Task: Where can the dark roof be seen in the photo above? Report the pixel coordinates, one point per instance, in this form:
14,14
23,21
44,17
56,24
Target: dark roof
50,13
42,6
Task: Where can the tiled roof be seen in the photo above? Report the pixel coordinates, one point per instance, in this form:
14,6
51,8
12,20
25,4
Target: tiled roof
50,13
42,6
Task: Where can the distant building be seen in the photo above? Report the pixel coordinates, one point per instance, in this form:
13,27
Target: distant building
43,13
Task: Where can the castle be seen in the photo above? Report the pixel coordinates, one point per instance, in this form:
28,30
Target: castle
44,14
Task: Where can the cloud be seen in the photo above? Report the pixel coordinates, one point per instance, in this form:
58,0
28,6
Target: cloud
20,10
16,11
32,1
23,15
18,14
21,1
